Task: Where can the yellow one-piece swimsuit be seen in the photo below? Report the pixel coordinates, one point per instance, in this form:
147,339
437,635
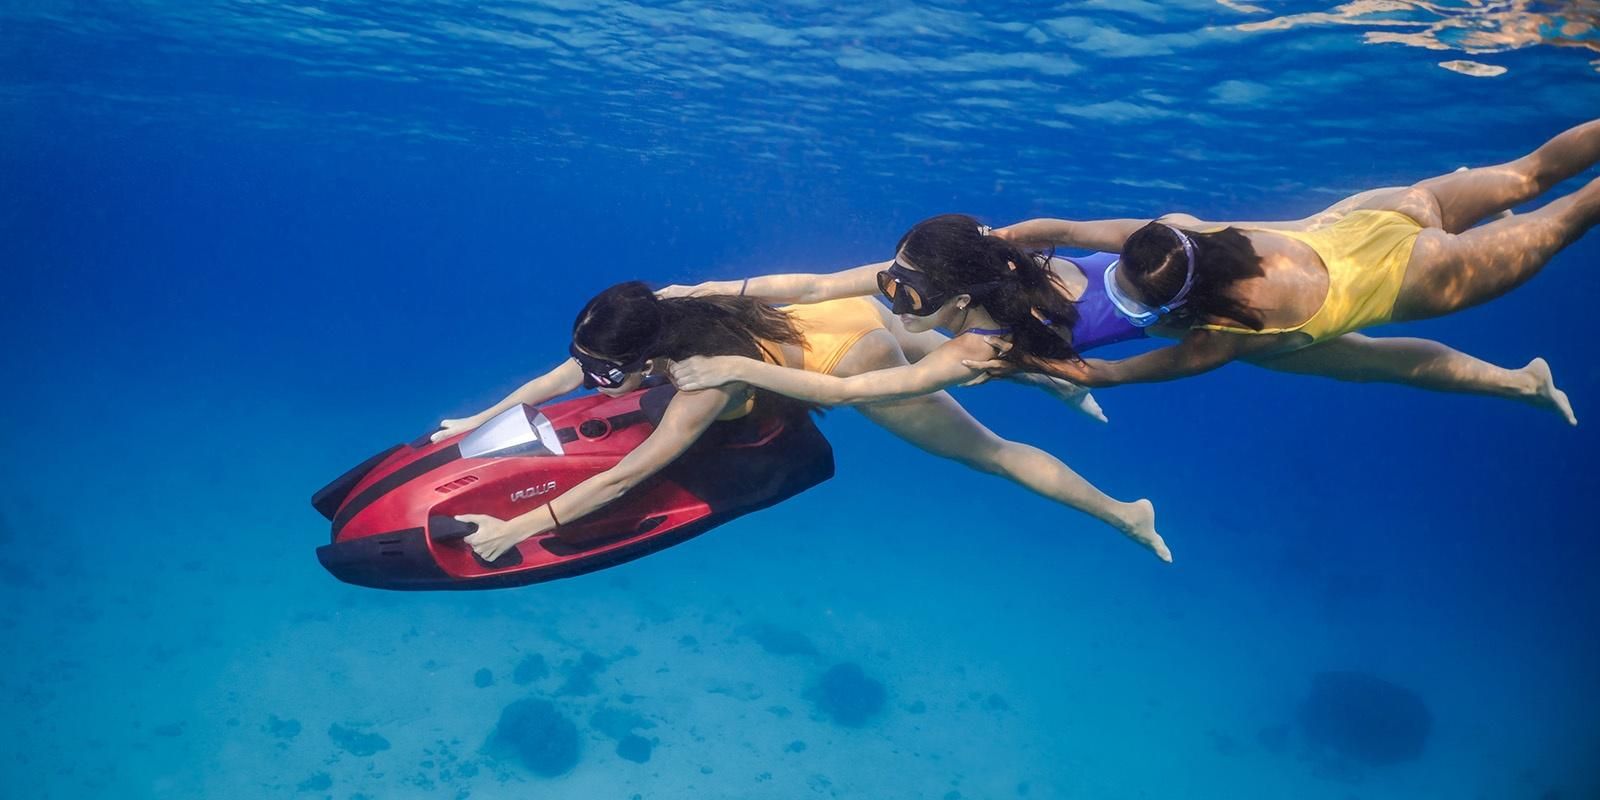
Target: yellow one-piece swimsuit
1365,253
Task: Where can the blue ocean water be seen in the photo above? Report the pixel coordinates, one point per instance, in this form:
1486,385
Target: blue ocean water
248,244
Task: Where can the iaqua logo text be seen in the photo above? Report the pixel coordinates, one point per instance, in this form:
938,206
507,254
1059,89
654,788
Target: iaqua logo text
533,491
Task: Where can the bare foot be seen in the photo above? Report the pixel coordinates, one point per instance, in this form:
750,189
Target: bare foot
1140,526
1545,394
1088,405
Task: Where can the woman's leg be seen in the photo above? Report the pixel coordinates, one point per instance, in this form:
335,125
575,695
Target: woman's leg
1450,272
939,425
1466,197
1458,200
1424,364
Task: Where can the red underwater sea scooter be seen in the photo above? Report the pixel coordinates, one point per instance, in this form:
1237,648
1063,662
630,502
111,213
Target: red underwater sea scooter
393,515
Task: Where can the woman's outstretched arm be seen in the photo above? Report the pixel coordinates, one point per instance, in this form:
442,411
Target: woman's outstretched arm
1105,235
919,345
792,287
686,418
1108,235
941,369
564,378
1199,351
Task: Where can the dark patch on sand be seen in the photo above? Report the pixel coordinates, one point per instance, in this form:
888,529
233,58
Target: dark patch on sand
536,734
847,695
281,728
531,668
634,748
356,742
1364,718
580,675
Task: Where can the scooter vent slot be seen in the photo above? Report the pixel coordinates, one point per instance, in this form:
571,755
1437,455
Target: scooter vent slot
458,483
649,524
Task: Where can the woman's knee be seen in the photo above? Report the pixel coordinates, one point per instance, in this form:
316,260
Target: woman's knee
1531,175
997,457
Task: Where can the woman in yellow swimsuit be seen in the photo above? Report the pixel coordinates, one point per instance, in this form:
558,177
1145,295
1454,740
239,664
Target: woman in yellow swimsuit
627,333
1258,290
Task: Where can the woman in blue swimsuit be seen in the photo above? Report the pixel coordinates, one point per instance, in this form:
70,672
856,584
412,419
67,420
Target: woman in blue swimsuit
951,272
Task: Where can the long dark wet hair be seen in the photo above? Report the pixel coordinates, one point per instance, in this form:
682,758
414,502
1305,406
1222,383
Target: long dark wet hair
1011,283
1154,261
628,322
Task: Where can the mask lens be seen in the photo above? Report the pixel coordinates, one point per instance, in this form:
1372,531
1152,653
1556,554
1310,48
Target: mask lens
910,301
914,301
606,380
1131,310
887,285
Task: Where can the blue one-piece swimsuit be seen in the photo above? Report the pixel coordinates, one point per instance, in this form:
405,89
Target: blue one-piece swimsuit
1099,324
